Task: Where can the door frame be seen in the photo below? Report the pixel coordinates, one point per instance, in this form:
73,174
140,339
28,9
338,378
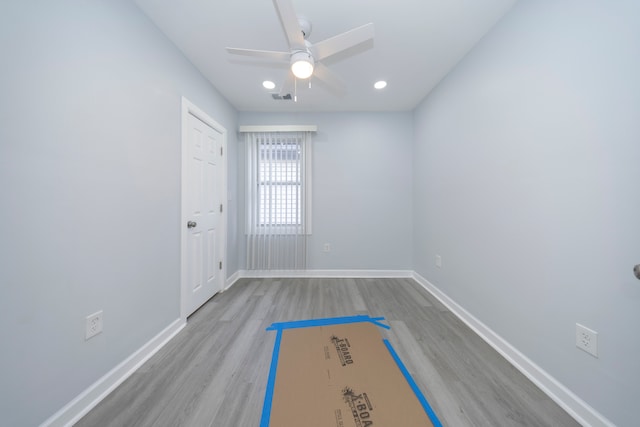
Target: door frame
188,108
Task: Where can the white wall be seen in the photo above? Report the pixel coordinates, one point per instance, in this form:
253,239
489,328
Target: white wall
361,188
90,193
526,182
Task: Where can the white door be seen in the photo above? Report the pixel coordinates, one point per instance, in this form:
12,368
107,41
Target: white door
203,220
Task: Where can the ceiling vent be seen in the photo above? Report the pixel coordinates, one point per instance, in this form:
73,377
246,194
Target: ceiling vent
286,97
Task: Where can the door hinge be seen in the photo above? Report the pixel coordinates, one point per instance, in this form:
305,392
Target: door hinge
220,207
221,151
220,265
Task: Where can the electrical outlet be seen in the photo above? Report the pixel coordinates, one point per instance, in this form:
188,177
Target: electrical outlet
327,247
587,340
438,261
93,325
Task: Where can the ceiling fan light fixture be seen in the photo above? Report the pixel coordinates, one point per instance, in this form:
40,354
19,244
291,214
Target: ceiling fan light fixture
302,65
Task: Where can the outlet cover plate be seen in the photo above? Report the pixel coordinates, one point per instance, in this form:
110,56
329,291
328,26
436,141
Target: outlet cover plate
93,325
587,340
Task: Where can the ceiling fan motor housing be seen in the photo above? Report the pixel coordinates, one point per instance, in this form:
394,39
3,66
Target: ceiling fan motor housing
305,26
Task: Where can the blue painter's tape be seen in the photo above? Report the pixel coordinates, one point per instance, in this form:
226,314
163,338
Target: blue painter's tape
374,320
271,382
326,322
279,327
423,400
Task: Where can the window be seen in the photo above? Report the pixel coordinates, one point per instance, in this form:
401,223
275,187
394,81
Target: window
279,181
278,199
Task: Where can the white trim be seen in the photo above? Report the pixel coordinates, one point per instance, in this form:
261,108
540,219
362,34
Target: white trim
231,280
576,407
279,128
347,274
189,108
88,399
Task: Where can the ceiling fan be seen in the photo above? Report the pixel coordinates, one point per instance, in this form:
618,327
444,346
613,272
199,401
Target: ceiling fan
303,56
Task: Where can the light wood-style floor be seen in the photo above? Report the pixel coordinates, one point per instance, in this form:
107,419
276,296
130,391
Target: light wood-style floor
214,373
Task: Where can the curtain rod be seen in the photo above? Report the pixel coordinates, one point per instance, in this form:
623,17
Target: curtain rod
279,128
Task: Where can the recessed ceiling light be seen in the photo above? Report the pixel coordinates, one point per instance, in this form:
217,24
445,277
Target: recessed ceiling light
380,84
268,84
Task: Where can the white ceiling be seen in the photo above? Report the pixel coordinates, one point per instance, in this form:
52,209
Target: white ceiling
417,42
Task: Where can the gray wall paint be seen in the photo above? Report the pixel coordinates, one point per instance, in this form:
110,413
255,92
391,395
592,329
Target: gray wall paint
526,183
361,188
90,193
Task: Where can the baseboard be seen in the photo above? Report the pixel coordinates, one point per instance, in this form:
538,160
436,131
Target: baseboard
231,280
89,398
347,274
576,407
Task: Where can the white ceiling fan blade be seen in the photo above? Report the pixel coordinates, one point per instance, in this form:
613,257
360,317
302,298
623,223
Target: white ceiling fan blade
329,79
289,21
344,41
289,85
267,54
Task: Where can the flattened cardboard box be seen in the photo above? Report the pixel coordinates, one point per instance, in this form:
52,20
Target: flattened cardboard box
341,376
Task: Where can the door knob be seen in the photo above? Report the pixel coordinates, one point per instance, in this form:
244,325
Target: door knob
191,224
636,271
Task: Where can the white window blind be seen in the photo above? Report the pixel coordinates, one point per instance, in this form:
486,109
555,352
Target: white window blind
278,199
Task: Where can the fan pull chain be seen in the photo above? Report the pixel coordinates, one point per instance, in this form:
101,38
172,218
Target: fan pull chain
295,89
